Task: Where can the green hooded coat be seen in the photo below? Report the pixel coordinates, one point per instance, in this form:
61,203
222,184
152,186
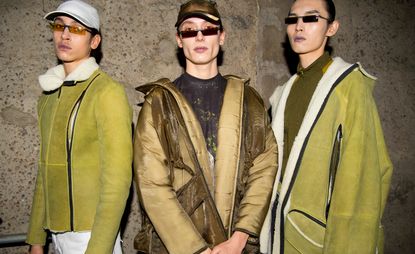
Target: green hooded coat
333,193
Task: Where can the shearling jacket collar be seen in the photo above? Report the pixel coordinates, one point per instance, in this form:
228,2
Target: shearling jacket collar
55,77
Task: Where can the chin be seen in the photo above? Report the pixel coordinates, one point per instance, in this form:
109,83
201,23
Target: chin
201,61
63,57
298,49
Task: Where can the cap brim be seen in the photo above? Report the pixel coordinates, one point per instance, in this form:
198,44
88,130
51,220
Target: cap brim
208,17
52,15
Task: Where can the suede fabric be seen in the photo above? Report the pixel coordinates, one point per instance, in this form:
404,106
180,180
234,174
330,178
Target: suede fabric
83,186
156,186
300,203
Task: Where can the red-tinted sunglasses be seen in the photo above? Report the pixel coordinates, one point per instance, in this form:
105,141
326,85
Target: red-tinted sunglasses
193,33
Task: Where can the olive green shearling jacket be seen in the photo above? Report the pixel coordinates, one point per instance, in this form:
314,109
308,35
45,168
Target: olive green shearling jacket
85,164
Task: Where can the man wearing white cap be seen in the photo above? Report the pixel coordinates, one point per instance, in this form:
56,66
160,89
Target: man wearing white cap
85,139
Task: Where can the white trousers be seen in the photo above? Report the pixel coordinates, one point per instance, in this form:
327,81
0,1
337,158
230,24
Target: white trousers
77,242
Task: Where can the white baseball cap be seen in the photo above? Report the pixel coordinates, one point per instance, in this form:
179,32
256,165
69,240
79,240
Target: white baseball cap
78,10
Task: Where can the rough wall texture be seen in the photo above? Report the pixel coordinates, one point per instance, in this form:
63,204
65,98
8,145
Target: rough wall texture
139,46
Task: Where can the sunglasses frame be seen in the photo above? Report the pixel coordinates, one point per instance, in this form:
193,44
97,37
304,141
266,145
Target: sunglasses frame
56,27
193,33
306,19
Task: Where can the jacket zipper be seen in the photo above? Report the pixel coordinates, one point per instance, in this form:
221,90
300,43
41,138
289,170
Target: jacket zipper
69,139
334,163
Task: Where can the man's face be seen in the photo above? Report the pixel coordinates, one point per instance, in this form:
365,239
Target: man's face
309,39
200,49
73,47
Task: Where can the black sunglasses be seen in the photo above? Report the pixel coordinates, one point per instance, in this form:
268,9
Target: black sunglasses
193,33
306,19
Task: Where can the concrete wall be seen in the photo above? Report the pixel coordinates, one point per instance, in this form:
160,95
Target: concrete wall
139,46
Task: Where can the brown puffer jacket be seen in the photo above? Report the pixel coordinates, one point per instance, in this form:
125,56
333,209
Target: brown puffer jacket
244,172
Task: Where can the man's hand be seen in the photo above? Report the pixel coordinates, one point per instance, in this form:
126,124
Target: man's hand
234,245
36,249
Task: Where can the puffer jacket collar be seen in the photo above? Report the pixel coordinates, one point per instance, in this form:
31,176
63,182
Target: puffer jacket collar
55,77
228,156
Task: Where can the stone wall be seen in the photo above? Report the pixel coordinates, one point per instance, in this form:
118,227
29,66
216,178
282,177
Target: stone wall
139,46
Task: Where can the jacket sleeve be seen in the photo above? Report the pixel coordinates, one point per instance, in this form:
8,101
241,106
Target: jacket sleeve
113,117
363,176
261,176
155,190
36,234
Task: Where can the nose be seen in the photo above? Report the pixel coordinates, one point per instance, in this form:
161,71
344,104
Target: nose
200,36
65,33
300,25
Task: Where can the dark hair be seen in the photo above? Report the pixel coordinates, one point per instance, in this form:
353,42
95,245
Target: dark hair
94,31
331,9
96,53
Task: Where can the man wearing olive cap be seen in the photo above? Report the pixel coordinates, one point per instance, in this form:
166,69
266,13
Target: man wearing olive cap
209,126
84,170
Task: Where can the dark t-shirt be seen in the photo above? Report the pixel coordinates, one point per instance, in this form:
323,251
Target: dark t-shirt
206,98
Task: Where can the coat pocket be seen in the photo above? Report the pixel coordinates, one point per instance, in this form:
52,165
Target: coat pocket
303,233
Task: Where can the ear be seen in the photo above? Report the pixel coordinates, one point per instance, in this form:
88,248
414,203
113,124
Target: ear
95,41
222,37
179,41
333,28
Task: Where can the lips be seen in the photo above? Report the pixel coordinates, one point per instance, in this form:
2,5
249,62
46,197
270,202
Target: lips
200,49
64,47
299,39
